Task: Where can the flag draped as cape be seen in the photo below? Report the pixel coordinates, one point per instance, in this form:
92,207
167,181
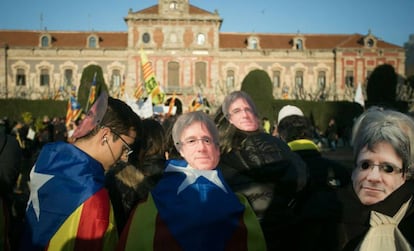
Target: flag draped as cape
68,208
192,209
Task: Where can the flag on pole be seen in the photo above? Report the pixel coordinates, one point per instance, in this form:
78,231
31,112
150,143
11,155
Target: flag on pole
359,96
74,110
197,103
92,92
139,91
121,91
171,105
151,85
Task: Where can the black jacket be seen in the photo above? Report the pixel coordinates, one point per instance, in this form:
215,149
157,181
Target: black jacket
337,221
264,169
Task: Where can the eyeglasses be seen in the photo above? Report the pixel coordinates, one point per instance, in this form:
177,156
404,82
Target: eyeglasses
238,111
384,167
126,148
193,141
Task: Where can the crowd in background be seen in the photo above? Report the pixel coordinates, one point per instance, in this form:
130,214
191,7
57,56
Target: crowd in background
296,194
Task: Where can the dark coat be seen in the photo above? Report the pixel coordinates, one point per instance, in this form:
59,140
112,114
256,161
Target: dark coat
269,174
338,221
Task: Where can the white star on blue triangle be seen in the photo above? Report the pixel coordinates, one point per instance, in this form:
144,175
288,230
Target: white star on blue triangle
37,180
193,174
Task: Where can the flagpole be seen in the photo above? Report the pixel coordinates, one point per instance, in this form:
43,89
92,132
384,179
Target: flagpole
90,91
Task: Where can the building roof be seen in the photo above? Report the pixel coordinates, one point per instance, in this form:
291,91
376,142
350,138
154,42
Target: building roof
62,39
73,39
284,41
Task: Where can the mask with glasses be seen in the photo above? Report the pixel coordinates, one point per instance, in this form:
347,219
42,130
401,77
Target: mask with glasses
383,167
193,141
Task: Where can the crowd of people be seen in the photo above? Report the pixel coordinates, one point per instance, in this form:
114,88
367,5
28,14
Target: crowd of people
196,181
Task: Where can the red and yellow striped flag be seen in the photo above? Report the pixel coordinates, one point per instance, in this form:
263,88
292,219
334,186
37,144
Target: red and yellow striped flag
151,85
171,105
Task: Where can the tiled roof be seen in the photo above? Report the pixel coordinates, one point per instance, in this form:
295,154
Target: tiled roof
62,39
69,39
193,10
284,41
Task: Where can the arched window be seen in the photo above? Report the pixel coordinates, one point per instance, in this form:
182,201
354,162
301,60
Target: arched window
321,79
44,41
276,79
115,79
201,73
299,79
92,42
68,77
230,79
299,44
173,74
44,77
20,77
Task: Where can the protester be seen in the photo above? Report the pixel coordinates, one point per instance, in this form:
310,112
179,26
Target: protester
376,211
10,161
69,208
331,134
259,165
192,207
297,130
128,183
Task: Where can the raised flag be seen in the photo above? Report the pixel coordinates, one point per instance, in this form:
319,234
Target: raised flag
74,110
359,96
197,103
92,92
151,85
139,91
171,105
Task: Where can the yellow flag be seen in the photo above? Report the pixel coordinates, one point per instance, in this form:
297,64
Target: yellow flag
151,85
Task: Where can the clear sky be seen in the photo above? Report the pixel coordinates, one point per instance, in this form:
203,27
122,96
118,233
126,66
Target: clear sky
389,20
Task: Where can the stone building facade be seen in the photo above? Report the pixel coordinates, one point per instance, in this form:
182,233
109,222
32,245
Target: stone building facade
190,56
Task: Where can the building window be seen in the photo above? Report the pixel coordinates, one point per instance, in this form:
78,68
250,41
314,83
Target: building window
45,41
68,77
276,79
173,5
230,79
200,73
173,74
299,79
299,44
349,79
201,39
115,79
44,77
20,77
146,37
322,79
92,42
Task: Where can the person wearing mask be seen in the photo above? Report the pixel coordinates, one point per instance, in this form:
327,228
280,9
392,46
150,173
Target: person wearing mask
375,212
192,207
260,166
69,207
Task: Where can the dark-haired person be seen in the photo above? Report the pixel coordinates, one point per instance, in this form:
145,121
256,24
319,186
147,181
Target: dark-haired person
69,207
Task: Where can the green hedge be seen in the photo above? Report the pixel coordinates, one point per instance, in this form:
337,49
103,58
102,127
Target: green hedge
322,111
14,108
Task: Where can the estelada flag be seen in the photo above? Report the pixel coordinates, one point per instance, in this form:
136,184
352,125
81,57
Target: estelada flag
69,207
92,92
74,110
192,209
151,85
